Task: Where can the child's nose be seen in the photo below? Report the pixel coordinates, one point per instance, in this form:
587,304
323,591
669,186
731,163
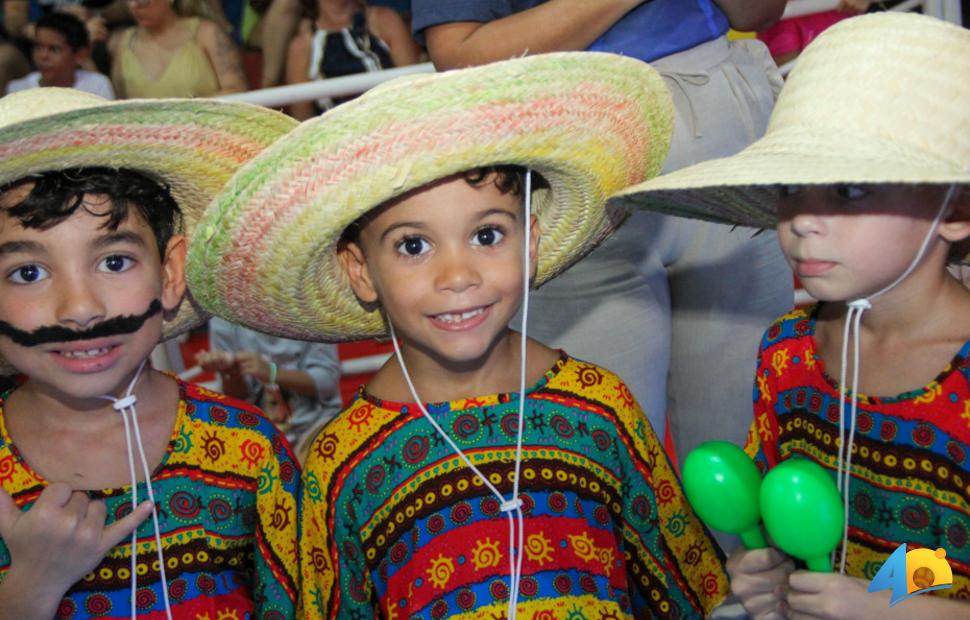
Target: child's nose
806,223
457,271
78,303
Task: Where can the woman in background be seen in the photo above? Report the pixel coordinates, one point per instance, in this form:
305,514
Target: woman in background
344,37
171,53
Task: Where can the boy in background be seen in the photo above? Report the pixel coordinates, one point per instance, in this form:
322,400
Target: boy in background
61,44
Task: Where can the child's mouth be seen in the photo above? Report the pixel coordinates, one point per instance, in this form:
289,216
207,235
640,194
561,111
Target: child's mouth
810,268
458,317
86,354
462,319
85,358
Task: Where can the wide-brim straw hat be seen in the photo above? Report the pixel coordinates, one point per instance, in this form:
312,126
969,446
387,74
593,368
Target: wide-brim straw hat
589,123
880,98
192,145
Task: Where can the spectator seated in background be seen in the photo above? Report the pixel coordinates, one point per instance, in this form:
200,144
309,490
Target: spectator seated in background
13,63
787,38
170,53
296,383
343,37
13,60
61,44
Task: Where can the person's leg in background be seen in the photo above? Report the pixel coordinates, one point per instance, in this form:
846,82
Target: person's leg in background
613,309
728,284
278,27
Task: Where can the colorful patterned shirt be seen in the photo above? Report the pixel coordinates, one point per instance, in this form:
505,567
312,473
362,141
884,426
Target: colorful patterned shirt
227,498
395,525
910,472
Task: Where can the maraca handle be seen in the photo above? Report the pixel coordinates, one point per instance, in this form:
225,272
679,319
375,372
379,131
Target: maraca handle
753,538
820,565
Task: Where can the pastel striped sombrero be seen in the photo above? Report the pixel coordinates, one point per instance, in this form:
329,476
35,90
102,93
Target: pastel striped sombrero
589,123
879,98
193,145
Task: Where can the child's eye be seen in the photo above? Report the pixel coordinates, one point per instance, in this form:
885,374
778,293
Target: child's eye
27,274
413,246
488,235
851,192
116,263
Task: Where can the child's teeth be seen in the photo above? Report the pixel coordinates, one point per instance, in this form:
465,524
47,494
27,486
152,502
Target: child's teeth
464,316
88,353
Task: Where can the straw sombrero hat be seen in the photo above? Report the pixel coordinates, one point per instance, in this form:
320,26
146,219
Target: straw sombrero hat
589,123
880,98
193,145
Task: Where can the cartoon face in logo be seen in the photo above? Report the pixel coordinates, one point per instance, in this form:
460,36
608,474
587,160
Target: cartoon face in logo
927,569
915,572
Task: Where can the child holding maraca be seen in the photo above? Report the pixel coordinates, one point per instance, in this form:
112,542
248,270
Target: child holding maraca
864,170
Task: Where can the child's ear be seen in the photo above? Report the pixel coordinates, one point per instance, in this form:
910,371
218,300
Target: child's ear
956,225
535,235
173,272
352,261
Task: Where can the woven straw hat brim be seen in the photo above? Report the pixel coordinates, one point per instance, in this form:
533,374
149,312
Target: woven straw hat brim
861,106
193,145
589,123
748,183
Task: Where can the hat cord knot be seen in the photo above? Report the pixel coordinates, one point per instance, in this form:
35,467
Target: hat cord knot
126,407
853,320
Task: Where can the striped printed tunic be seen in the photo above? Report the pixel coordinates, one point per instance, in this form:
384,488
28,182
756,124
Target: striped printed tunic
910,468
227,499
395,525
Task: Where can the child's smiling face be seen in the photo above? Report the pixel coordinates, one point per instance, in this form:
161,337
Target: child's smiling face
848,241
76,275
445,263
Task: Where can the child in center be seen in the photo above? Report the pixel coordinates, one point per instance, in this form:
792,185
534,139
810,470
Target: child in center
440,492
867,184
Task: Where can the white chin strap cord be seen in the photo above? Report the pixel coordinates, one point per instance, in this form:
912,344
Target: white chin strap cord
853,319
126,406
513,504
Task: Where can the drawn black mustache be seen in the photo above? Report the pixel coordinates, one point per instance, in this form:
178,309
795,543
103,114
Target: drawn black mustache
115,326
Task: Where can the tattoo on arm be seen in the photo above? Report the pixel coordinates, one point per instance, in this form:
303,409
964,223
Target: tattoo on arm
227,63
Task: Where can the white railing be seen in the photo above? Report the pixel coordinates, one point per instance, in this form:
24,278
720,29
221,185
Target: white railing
329,88
353,84
364,365
944,9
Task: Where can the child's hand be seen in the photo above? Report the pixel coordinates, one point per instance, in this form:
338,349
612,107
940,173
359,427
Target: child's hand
97,28
62,537
853,7
215,361
831,595
254,365
759,578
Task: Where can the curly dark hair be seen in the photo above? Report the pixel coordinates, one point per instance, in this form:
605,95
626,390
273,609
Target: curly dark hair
56,195
509,179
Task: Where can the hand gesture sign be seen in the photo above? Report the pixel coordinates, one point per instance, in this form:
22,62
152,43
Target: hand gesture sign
55,543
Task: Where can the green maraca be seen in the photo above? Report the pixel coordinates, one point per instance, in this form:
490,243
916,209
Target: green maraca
803,512
723,485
